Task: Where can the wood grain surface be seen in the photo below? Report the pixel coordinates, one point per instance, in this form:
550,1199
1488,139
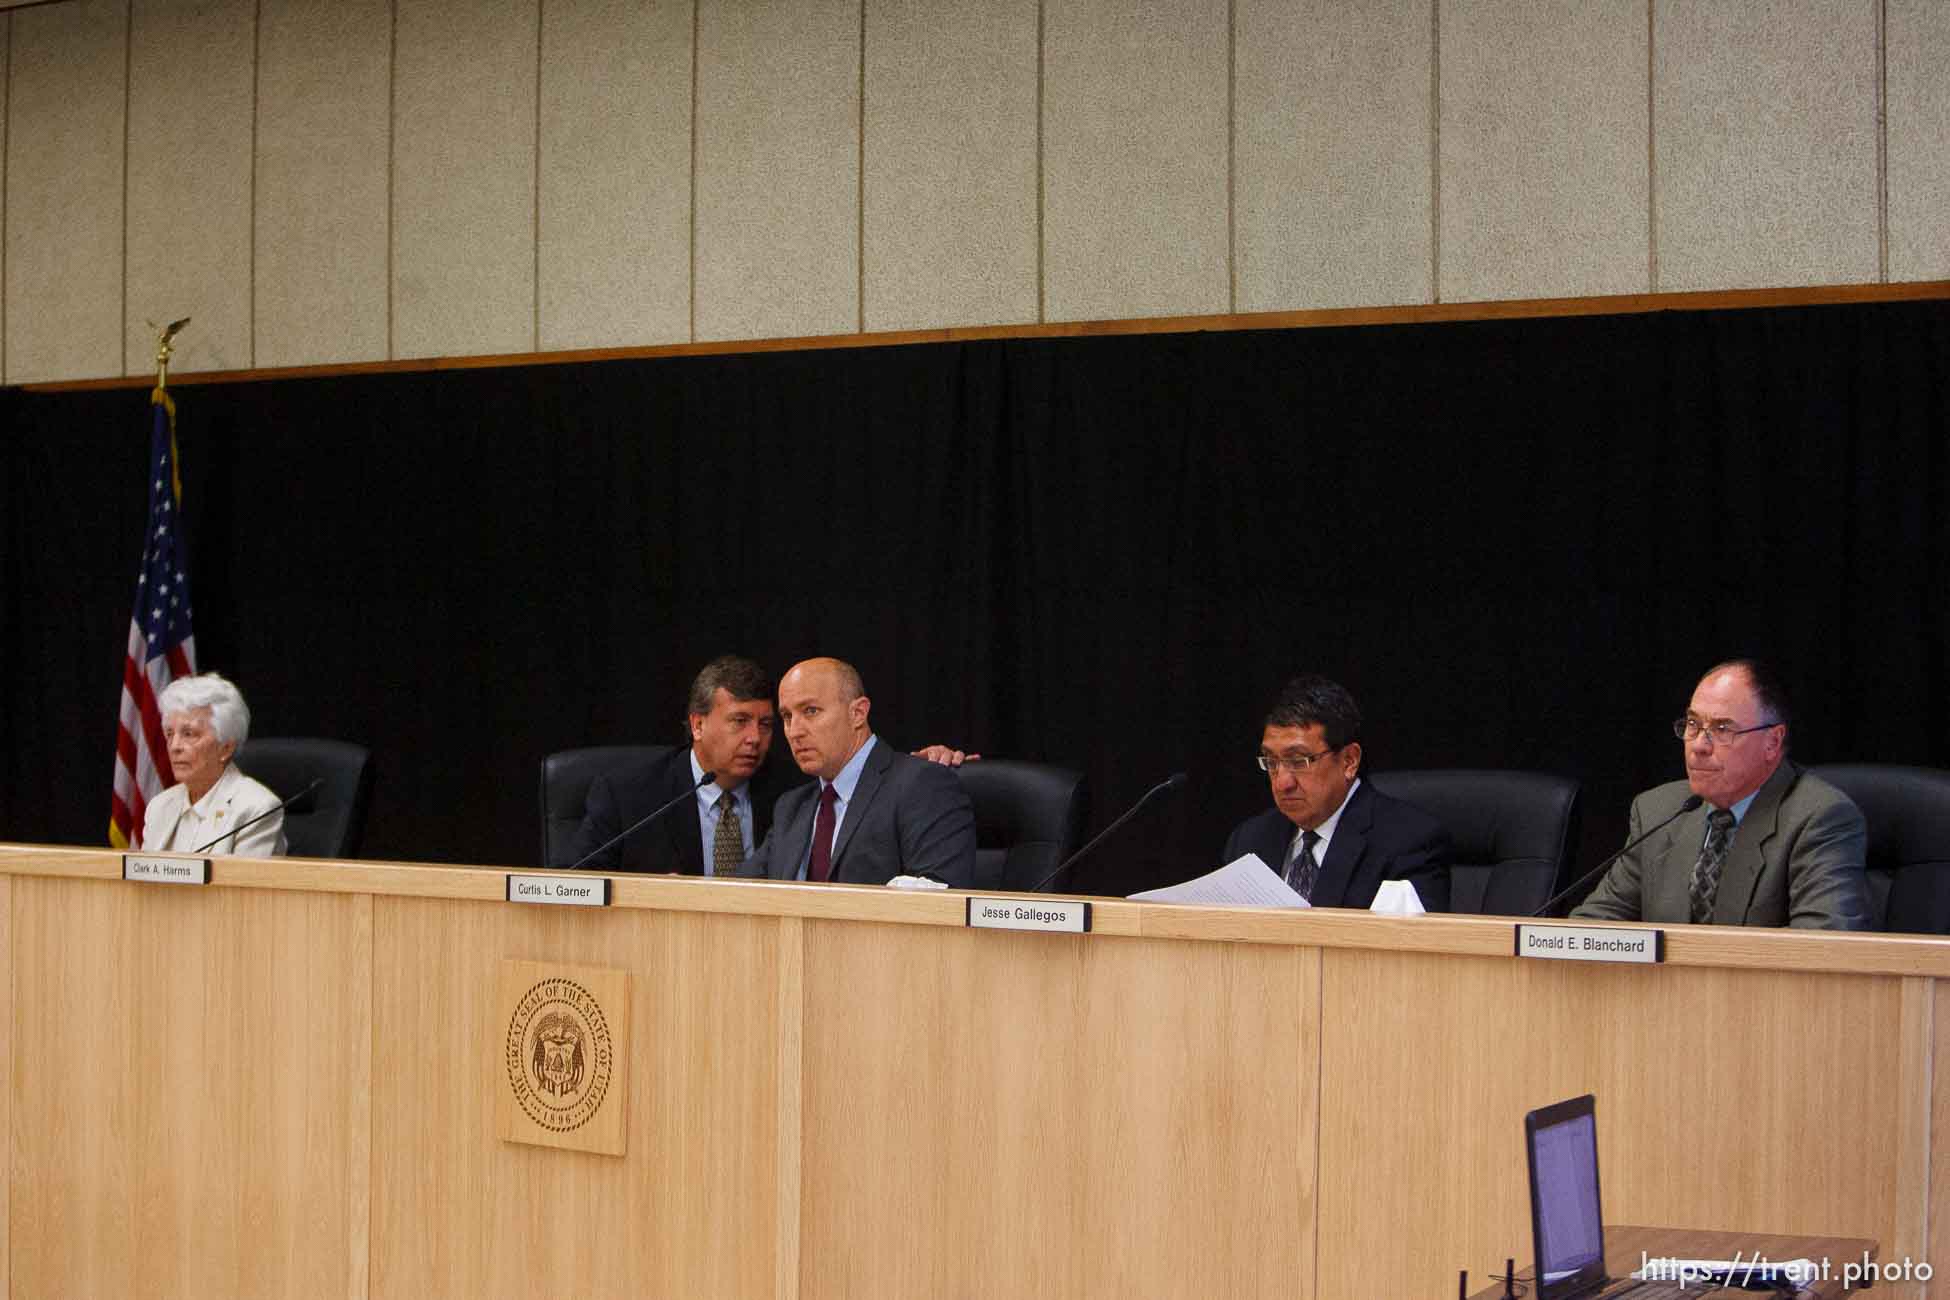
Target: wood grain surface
277,1085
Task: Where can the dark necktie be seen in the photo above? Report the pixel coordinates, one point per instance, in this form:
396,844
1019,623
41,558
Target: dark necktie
728,845
1304,870
1712,856
821,864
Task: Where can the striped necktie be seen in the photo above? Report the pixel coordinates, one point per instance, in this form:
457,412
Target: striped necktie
1706,871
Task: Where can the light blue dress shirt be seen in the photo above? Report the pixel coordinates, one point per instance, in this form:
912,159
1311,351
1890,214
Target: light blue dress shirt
707,813
844,784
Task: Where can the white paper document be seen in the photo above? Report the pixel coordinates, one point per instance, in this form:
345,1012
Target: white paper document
1244,882
1248,882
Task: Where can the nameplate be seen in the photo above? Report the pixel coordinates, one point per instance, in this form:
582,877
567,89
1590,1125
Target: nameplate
560,891
1028,914
166,868
1591,943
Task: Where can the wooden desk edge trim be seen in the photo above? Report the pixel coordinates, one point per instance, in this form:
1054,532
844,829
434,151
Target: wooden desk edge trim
1758,949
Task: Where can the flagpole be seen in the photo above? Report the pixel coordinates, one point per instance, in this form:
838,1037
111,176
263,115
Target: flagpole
165,348
161,646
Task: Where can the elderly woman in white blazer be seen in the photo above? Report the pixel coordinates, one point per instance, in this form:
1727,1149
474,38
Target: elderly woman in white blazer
204,721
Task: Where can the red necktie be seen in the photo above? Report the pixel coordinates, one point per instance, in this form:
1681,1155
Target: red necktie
821,865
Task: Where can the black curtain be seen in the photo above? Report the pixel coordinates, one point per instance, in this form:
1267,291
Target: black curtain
1518,542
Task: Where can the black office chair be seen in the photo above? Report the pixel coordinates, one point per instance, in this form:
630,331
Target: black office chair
1908,811
566,778
1028,818
1511,832
331,822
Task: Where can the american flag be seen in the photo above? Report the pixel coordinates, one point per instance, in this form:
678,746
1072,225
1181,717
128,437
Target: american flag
161,646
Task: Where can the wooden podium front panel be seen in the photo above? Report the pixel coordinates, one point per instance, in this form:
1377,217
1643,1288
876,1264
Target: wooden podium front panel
998,1114
1754,1101
688,1210
189,1091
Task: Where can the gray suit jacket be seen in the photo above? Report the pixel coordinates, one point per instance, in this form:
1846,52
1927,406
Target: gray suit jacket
1796,859
907,817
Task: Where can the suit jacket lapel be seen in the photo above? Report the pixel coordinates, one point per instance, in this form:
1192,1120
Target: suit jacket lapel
689,837
795,835
1272,844
1747,858
221,796
1678,848
863,792
182,807
1345,849
684,828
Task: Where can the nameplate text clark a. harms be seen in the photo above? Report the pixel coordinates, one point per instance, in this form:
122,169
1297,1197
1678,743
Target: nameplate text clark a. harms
166,868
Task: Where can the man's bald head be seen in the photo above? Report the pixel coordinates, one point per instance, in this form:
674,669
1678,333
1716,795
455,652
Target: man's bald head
823,708
844,674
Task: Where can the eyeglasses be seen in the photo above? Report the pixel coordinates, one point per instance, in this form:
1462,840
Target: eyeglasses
1722,732
1296,763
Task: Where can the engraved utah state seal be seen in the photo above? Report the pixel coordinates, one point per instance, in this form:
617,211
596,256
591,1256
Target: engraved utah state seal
559,1055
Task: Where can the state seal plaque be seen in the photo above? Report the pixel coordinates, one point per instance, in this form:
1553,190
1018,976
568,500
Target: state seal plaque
559,1055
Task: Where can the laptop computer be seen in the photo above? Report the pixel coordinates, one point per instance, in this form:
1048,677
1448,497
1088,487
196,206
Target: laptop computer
1566,1224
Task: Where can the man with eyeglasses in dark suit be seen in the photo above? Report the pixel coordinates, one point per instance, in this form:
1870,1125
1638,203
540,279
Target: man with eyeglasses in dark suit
1769,845
1329,834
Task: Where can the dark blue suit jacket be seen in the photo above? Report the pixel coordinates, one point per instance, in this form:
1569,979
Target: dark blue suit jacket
672,843
1377,839
907,817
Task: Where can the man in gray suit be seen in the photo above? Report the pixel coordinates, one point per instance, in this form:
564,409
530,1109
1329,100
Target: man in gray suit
1770,845
874,813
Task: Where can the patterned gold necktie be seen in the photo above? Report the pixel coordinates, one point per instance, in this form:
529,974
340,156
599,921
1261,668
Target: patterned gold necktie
728,845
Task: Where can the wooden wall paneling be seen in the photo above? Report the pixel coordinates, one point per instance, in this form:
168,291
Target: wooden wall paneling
1308,994
65,140
182,1130
192,71
1705,1117
7,1093
790,1010
357,1108
1051,1116
1937,1228
324,168
1914,1048
688,1210
1543,151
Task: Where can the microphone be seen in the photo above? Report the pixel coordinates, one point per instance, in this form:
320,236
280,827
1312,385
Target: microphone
1692,801
614,840
235,831
1171,783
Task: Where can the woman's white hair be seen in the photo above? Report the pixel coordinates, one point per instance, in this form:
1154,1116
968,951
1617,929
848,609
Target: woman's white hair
229,717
